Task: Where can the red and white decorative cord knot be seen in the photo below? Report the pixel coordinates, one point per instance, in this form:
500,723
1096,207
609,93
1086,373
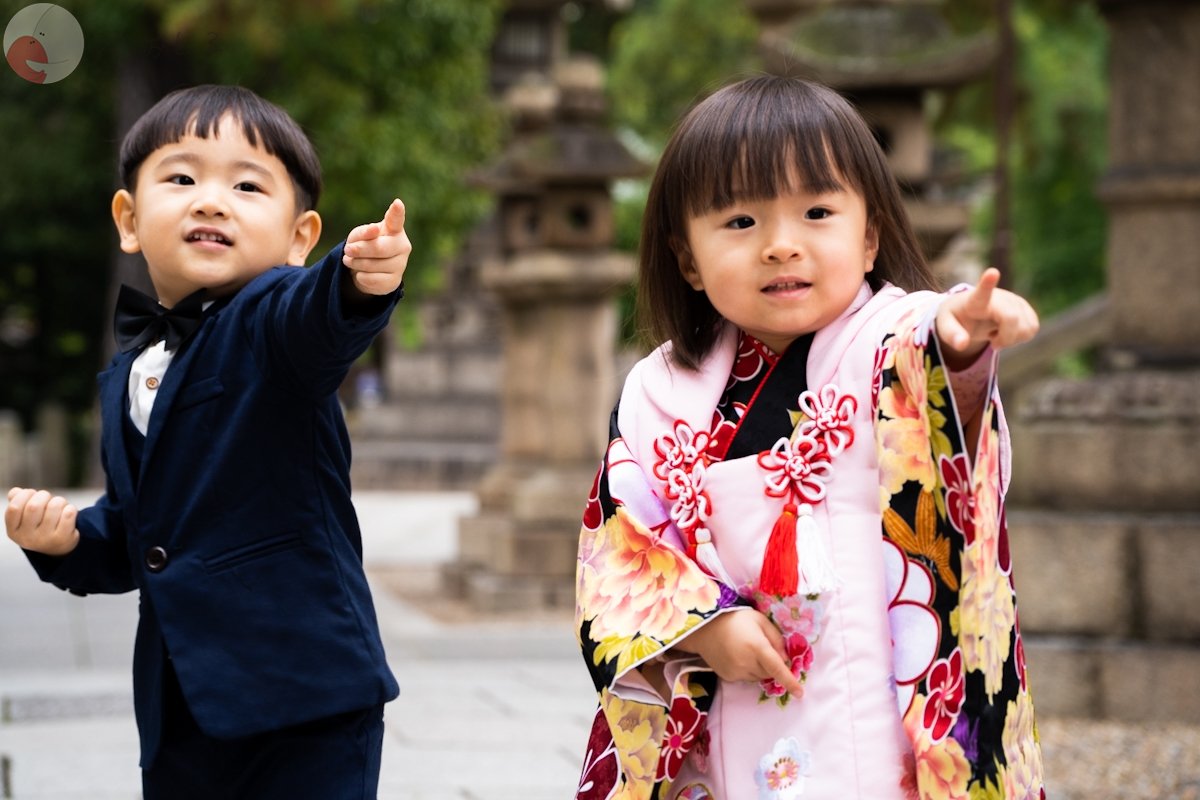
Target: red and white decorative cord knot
797,468
686,488
681,451
830,417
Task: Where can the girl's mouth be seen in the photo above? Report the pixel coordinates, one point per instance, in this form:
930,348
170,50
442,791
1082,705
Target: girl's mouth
787,286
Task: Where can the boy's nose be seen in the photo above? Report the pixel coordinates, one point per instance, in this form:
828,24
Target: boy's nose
210,204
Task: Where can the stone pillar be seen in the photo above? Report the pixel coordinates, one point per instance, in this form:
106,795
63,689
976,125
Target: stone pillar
1152,187
1106,535
556,278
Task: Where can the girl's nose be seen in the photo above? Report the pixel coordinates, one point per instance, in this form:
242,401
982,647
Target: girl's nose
782,245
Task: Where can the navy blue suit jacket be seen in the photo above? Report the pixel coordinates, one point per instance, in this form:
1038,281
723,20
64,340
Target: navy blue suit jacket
244,481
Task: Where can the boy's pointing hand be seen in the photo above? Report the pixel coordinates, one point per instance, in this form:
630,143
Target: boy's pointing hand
377,253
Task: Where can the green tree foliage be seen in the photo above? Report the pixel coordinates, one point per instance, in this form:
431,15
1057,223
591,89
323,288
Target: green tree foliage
393,93
1059,146
669,53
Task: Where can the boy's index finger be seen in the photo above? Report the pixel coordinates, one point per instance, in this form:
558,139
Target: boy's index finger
393,218
363,233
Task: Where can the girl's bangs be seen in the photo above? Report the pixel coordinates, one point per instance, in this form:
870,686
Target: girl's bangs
754,153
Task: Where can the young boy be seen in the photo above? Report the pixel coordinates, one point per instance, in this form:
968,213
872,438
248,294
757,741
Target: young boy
259,671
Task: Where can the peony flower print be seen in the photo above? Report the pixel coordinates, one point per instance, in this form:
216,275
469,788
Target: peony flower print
642,585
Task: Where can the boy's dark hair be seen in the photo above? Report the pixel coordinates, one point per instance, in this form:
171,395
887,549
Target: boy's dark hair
744,142
198,111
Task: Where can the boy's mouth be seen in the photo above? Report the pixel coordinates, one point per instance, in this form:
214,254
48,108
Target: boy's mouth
209,235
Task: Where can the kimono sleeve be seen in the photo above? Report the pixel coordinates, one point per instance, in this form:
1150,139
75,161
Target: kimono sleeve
962,687
637,593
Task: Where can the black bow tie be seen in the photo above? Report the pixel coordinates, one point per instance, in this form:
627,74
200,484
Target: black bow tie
141,321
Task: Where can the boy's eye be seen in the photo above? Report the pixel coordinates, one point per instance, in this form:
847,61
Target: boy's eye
246,186
817,213
181,180
740,223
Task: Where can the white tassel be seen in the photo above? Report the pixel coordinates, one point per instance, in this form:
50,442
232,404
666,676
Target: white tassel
706,556
817,574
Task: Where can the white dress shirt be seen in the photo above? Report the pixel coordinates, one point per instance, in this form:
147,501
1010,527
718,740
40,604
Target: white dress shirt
145,376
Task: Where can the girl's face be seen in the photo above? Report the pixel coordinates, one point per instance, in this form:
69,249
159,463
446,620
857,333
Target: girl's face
781,267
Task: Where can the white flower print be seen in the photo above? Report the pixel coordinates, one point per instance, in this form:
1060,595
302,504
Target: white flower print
780,774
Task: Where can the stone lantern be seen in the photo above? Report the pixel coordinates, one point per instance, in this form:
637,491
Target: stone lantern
556,277
885,56
1108,475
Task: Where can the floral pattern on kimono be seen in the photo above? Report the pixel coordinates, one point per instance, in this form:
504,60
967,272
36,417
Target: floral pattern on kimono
961,685
967,708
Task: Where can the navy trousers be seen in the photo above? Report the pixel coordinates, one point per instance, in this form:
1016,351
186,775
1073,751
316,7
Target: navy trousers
335,758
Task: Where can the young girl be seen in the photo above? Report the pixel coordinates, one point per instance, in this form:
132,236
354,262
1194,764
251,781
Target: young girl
794,577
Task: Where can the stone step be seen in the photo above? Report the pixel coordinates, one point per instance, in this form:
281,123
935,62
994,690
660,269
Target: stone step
438,373
420,464
452,419
1107,574
1122,441
1113,679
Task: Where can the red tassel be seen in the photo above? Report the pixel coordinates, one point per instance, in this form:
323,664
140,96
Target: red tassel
780,567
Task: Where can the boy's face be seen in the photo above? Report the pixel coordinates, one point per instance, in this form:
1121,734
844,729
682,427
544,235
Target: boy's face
213,214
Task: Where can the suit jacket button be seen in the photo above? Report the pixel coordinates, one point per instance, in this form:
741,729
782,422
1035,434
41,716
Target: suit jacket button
156,559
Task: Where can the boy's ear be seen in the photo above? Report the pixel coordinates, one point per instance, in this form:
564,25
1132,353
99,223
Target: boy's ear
122,214
305,234
687,266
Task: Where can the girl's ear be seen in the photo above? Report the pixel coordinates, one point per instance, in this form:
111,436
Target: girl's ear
687,265
871,247
305,234
122,214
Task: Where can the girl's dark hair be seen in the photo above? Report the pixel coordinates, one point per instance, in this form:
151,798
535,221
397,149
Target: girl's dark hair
745,142
198,111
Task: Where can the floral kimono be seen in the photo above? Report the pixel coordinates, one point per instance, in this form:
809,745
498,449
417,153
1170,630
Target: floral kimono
831,488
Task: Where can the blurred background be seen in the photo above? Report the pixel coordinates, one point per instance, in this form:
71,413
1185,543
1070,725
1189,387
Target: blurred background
401,99
1055,139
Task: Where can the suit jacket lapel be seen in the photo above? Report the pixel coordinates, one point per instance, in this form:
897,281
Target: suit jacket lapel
168,390
114,404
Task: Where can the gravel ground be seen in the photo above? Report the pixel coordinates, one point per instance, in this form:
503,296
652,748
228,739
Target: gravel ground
1093,760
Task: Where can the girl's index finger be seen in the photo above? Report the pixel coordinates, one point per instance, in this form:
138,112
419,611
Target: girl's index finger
778,669
981,295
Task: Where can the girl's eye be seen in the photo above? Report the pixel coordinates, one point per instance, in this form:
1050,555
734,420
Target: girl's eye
246,186
181,180
740,223
817,213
